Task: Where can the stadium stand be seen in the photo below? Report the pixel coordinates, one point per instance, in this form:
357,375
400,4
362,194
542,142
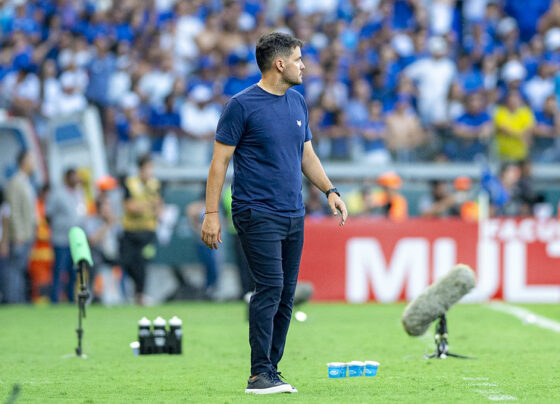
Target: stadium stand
429,89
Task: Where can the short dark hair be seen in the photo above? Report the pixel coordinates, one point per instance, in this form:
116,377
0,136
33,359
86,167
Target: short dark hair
69,173
143,160
21,156
272,45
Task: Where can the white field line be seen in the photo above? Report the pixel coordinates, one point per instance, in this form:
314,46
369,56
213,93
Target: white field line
491,394
527,316
501,397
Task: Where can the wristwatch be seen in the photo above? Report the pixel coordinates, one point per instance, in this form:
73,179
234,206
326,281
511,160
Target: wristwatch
330,191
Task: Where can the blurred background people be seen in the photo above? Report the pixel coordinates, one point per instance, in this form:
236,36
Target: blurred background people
472,132
461,83
4,244
388,201
246,280
21,197
208,257
103,232
514,123
142,207
65,208
545,147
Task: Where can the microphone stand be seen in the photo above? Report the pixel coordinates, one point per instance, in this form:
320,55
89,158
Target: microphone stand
83,296
442,348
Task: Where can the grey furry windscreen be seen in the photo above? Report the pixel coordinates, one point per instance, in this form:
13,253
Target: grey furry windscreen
437,299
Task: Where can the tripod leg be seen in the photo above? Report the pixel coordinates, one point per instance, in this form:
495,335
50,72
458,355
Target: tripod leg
459,356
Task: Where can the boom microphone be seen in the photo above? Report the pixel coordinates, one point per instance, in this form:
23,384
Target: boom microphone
79,247
437,299
81,256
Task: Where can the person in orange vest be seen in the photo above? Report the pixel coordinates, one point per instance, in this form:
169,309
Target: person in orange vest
468,209
42,255
388,201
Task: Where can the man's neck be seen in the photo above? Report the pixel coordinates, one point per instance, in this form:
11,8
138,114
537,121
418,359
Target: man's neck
273,85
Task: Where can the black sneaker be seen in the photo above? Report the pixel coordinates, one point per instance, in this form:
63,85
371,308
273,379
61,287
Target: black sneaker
278,376
265,383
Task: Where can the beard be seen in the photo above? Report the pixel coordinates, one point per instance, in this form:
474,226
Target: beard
293,80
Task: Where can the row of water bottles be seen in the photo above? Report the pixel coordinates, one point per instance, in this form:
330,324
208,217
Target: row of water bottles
159,339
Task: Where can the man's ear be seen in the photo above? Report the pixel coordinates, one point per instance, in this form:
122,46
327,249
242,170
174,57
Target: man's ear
279,63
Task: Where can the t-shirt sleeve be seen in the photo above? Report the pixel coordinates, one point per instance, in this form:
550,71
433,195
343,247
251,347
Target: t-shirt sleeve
308,135
231,124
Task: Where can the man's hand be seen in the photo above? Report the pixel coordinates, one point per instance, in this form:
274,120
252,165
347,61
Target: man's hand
211,233
337,205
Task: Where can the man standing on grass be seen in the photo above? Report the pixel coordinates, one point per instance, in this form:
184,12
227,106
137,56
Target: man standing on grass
266,129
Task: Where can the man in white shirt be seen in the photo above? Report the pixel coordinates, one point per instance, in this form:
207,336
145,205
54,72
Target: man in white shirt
540,86
199,118
22,89
70,101
433,76
158,84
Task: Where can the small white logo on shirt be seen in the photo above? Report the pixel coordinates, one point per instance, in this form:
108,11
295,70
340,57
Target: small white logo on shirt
298,123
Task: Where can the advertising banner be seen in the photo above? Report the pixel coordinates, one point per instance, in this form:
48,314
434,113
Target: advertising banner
369,259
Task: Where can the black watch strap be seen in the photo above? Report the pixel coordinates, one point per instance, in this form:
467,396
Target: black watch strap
330,191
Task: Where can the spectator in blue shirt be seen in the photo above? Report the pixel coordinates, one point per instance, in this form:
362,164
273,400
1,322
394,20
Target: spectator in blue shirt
341,137
357,107
472,132
373,133
166,123
545,147
240,78
100,70
527,14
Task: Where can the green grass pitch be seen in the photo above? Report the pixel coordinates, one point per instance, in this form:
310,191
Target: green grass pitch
515,361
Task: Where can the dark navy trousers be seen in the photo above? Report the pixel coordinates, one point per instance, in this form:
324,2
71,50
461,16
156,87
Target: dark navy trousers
272,245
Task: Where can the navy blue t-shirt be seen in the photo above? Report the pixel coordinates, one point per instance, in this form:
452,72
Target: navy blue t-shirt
269,132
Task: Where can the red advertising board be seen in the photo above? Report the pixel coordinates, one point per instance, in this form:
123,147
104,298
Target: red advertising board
370,259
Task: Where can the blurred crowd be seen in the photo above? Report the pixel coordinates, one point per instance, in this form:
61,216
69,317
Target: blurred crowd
386,80
120,224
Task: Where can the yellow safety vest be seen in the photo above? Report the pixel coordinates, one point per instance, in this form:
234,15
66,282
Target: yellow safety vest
144,193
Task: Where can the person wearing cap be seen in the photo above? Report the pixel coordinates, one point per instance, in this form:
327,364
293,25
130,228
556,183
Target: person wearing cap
433,76
514,124
199,117
513,74
388,201
265,128
552,46
465,207
508,34
70,100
